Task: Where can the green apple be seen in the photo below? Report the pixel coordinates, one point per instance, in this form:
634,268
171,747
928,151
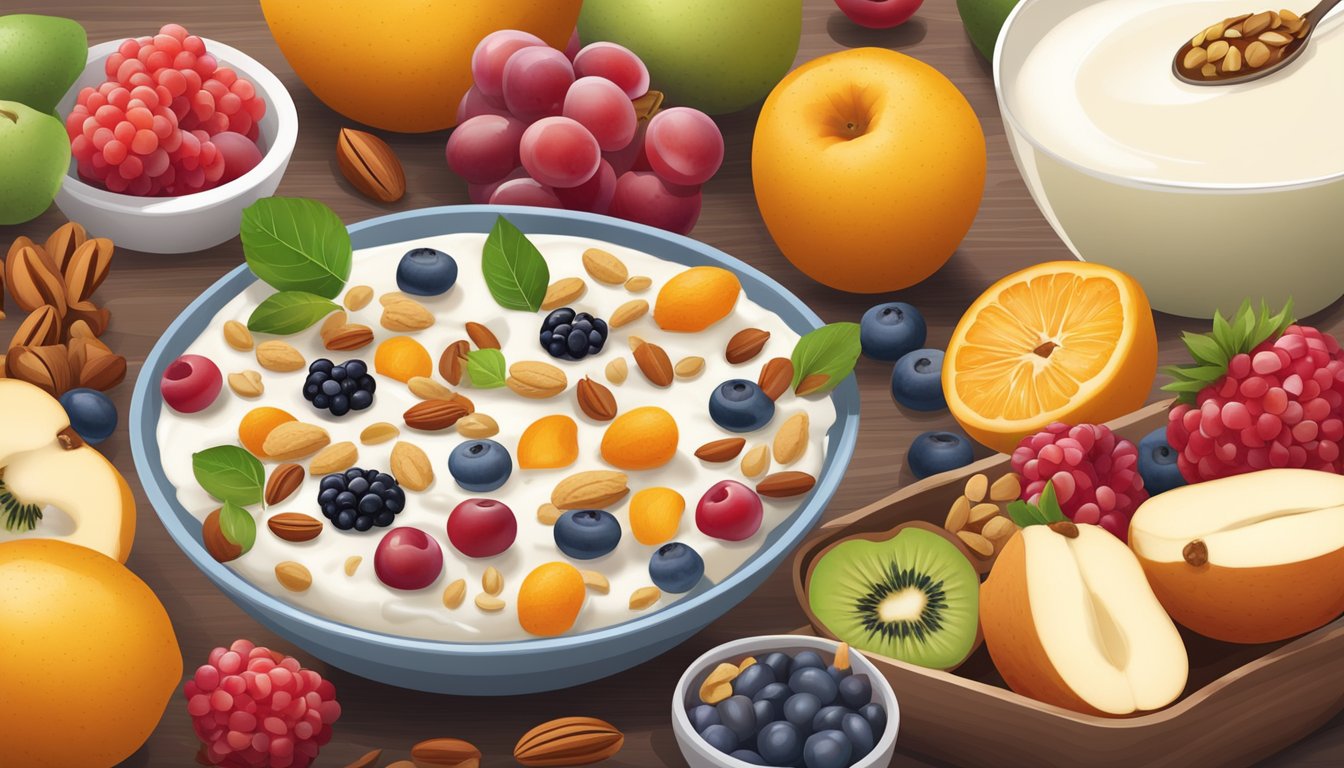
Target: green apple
40,57
718,56
34,156
983,19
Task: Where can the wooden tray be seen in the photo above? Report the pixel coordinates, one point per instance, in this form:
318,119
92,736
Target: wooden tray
1242,702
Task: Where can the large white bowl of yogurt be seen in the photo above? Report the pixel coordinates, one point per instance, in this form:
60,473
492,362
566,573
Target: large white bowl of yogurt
1207,195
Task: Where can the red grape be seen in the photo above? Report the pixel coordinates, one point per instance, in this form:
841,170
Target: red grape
240,154
480,193
632,156
484,148
684,146
492,53
617,64
525,191
593,195
573,46
476,103
603,108
559,152
535,82
643,197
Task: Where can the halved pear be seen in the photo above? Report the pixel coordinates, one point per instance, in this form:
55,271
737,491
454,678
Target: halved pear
1252,558
1069,620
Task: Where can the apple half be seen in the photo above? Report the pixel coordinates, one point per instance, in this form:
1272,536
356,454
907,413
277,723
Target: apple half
44,465
1069,620
1252,558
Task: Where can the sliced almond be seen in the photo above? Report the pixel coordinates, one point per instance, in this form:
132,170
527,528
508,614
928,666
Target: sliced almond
628,313
959,515
336,457
426,388
548,513
1218,49
596,582
976,488
477,426
352,564
358,297
563,292
378,432
492,581
334,322
756,461
294,440
246,384
237,335
638,284
1006,488
689,367
604,267
791,440
455,593
998,528
617,370
293,576
982,512
489,603
722,676
976,543
644,597
1232,61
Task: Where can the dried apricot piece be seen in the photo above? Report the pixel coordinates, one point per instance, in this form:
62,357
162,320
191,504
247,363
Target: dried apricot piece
696,299
644,438
655,515
550,442
403,358
550,598
256,424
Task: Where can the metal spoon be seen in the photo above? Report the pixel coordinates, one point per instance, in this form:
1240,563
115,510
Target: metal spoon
1243,72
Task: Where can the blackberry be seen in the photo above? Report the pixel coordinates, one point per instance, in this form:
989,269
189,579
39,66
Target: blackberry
360,499
568,335
339,388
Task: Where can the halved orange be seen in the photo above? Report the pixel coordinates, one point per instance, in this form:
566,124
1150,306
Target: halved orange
1061,341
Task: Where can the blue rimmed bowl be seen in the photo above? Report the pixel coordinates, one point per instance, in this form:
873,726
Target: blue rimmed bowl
516,667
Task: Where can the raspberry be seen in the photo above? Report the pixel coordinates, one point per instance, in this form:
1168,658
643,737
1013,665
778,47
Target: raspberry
1263,394
1095,474
253,708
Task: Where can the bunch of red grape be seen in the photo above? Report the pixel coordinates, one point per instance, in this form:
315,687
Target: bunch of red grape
545,128
168,121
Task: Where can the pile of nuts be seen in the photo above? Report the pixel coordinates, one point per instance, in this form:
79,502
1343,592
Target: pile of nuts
57,346
979,518
563,741
1222,50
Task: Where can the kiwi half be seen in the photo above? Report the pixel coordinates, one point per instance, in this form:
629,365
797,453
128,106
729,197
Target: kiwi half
913,597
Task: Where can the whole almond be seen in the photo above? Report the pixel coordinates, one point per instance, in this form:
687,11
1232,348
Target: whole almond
445,753
86,268
638,284
378,432
482,336
63,243
536,380
689,367
562,292
785,484
617,370
41,328
294,440
477,426
745,345
548,513
791,440
719,451
654,363
358,297
1006,488
489,603
453,361
212,536
293,576
981,512
977,487
492,581
594,489
628,313
237,335
406,315
433,415
757,461
392,297
812,384
95,317
336,457
998,528
283,482
411,467
34,281
776,376
102,372
246,384
295,526
595,400
46,367
644,597
370,165
426,388
976,543
569,741
454,593
279,356
958,515
348,337
604,267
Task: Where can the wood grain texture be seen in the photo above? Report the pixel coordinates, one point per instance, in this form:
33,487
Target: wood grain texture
146,292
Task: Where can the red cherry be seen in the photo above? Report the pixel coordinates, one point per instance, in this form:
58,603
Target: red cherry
407,558
879,14
730,511
191,383
482,527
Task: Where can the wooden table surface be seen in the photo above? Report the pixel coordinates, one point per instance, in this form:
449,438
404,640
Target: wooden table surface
146,292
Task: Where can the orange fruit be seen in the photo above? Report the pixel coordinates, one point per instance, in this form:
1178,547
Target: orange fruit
696,299
257,424
550,598
655,515
644,438
550,442
90,659
1062,341
402,358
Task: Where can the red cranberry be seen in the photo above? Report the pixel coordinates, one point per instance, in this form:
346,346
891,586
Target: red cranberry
191,383
482,527
730,511
407,558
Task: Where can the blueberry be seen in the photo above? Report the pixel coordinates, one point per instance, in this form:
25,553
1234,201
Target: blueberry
859,733
766,711
702,716
739,405
891,330
676,568
747,756
829,718
585,534
426,272
876,715
752,679
779,743
799,709
91,413
480,465
855,691
934,452
814,681
917,380
720,738
837,674
827,749
739,715
779,662
1157,463
805,659
776,693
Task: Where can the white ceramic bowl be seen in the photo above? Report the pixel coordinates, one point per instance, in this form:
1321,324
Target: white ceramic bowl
1193,247
699,753
190,222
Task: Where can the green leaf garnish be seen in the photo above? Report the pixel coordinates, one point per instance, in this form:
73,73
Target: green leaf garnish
237,525
229,473
296,244
832,350
19,516
485,368
1212,351
514,269
289,312
1044,512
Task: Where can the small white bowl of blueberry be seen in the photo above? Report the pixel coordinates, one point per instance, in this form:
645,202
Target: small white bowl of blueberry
785,700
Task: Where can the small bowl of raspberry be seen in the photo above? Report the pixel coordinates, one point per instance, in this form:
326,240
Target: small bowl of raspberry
171,137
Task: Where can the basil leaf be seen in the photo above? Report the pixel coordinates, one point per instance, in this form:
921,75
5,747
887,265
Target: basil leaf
514,269
237,525
1023,514
289,312
485,368
229,473
295,244
831,349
